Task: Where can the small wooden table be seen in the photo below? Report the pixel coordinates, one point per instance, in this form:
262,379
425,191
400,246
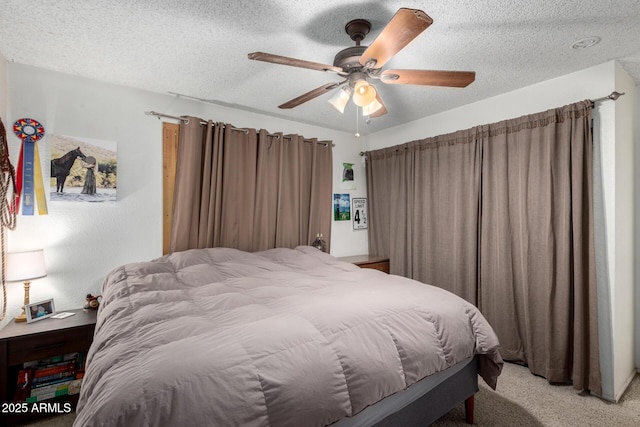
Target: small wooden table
25,342
368,261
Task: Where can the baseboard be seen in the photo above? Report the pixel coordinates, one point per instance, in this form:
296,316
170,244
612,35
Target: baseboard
625,385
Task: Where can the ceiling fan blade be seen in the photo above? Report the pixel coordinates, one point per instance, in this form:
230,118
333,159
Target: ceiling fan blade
309,95
405,26
428,77
284,60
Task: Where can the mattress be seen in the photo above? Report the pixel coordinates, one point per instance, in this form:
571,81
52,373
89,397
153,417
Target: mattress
283,337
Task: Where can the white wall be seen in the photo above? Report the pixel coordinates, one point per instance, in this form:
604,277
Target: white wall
637,230
3,89
3,116
590,83
345,240
623,291
84,241
615,120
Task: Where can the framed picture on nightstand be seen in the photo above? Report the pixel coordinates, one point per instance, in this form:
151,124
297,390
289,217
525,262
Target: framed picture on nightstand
40,310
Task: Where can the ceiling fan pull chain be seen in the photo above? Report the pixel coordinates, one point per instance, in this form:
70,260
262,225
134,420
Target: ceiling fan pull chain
357,135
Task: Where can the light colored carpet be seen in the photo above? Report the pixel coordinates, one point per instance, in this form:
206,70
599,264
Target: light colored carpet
523,400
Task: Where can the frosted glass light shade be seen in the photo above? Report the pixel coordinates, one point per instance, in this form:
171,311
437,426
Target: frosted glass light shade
25,266
340,98
363,93
371,108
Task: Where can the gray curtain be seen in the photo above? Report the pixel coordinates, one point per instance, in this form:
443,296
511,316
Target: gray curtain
249,189
424,199
537,270
513,212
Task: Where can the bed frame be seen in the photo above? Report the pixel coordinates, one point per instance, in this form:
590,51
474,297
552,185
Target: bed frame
424,402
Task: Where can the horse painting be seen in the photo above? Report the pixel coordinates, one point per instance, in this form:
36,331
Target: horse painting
61,166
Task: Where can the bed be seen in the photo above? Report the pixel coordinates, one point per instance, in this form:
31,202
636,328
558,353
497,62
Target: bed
283,337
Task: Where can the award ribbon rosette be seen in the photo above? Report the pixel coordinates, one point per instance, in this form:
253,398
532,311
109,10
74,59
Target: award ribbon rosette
29,176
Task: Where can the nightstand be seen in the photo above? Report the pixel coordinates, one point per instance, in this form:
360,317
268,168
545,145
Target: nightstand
368,261
25,342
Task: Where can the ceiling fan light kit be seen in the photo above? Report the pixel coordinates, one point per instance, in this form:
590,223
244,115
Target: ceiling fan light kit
340,98
360,64
371,107
363,93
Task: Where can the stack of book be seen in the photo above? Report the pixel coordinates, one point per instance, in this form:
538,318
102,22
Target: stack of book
57,376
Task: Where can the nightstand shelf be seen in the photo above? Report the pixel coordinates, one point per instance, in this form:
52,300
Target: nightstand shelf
26,342
368,261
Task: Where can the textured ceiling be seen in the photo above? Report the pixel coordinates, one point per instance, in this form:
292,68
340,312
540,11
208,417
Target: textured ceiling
199,47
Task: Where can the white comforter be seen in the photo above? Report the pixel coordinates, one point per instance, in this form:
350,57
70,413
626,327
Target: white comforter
284,337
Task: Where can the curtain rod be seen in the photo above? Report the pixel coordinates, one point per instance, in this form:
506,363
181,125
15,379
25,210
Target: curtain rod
184,119
611,97
245,130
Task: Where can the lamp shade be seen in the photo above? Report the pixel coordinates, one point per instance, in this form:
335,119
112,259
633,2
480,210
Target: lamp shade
24,266
340,98
363,93
371,108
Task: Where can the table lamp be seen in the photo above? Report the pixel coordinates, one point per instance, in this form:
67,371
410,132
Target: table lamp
24,267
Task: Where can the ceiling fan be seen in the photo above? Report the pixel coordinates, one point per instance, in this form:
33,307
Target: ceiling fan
361,64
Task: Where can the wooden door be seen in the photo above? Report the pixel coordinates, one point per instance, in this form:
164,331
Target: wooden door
170,140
